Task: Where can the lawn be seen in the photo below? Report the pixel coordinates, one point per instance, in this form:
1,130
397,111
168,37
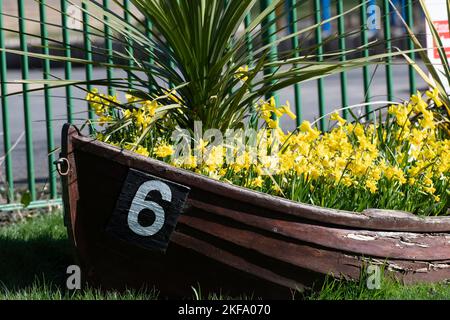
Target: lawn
35,254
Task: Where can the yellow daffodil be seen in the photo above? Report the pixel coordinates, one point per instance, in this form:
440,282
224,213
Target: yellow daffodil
305,126
272,124
102,120
419,104
141,118
286,109
371,186
241,73
336,117
142,151
163,151
257,182
131,99
410,159
150,107
434,95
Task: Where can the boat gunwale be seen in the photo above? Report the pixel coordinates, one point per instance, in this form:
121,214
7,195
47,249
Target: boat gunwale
378,244
370,219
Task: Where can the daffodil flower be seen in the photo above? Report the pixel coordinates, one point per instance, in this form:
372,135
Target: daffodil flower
163,151
241,73
336,117
130,98
418,102
257,182
142,151
287,110
434,95
272,124
409,157
305,126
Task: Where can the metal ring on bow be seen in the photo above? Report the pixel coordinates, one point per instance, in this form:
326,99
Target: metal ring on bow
59,164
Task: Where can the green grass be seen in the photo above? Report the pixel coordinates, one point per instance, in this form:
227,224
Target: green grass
36,249
35,254
389,290
34,257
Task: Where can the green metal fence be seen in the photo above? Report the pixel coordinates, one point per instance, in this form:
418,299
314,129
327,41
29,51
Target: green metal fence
52,197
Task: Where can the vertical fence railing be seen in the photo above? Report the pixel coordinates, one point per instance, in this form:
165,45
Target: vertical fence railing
248,40
9,178
365,42
322,9
410,22
269,35
26,101
388,40
48,101
148,32
130,49
293,28
343,57
320,82
109,49
88,55
250,61
68,55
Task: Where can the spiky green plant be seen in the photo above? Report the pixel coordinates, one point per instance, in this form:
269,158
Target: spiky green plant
195,47
438,74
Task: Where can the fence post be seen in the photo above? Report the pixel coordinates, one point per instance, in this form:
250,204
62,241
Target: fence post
248,40
48,101
26,101
109,48
320,84
68,55
412,55
388,39
365,42
88,56
343,58
130,48
5,112
269,36
148,31
250,61
293,19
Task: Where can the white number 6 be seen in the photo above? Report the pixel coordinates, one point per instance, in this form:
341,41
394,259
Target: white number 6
139,203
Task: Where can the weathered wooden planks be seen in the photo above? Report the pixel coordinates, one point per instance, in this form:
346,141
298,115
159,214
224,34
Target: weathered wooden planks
398,245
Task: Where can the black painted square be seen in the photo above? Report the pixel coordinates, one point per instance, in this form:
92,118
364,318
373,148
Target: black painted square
150,231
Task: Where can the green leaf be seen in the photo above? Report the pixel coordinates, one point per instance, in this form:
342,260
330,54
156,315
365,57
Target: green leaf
194,46
25,200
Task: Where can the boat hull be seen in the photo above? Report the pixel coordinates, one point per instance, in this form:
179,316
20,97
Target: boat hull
225,238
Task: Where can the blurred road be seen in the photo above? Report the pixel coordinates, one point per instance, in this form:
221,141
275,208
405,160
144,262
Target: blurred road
309,102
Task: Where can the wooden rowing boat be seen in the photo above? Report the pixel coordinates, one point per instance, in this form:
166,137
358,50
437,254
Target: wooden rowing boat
136,222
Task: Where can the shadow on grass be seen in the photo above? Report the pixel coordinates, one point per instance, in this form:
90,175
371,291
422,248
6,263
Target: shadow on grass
34,251
34,256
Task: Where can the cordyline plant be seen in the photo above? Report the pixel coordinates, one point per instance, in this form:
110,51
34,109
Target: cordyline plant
194,47
194,65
